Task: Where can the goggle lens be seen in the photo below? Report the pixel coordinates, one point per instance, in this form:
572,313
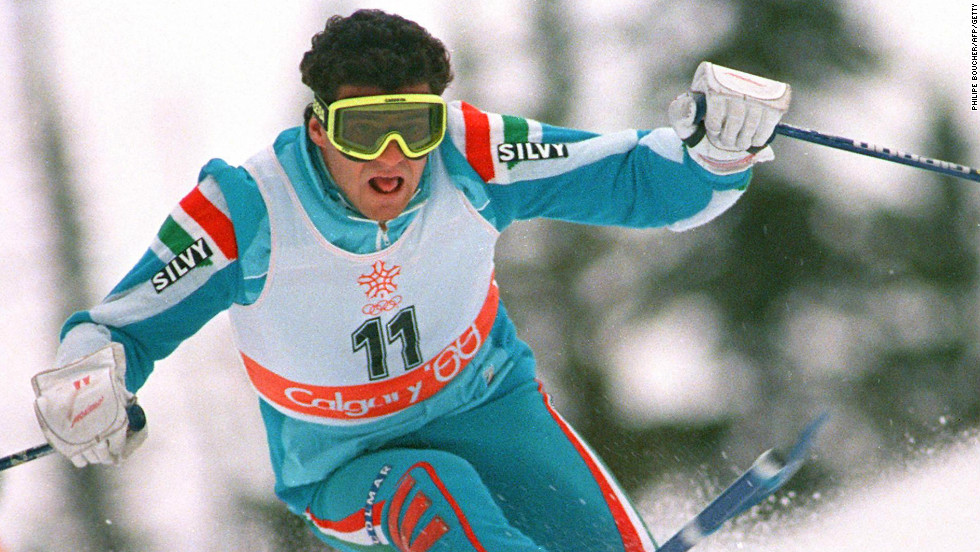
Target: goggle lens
363,127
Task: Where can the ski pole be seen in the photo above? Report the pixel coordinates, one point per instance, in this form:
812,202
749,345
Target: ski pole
137,421
856,146
872,150
767,474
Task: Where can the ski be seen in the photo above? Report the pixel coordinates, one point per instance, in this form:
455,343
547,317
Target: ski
766,475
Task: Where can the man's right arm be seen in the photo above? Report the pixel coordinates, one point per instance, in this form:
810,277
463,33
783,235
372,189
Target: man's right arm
191,272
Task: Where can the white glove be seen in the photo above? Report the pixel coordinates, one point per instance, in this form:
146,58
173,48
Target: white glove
81,408
742,113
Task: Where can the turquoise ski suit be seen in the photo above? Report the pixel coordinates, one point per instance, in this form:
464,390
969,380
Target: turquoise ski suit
480,462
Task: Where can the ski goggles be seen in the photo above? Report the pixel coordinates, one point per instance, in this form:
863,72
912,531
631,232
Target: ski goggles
363,127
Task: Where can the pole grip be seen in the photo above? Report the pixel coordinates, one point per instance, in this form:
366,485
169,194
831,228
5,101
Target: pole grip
853,146
701,110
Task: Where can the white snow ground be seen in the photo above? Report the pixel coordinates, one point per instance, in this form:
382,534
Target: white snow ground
930,504
934,506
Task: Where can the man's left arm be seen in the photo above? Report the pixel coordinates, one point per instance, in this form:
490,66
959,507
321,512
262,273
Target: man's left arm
629,178
636,179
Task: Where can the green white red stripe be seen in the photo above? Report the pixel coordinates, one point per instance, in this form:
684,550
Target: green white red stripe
478,134
212,219
202,213
482,132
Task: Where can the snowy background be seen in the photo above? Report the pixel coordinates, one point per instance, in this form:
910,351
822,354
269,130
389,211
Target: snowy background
148,92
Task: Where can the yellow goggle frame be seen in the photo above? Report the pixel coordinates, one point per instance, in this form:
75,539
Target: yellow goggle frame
362,127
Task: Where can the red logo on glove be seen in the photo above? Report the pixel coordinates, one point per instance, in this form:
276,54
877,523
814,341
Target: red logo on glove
88,410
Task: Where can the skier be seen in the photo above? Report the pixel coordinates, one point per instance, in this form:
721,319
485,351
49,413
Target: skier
355,258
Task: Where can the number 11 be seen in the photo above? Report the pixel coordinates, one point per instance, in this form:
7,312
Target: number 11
402,327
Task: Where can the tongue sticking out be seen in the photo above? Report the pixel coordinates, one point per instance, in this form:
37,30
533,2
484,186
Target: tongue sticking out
385,185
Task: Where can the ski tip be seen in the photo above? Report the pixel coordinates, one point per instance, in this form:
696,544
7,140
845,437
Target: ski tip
768,464
806,438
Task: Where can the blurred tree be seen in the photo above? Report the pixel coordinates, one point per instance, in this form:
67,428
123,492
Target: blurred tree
753,263
925,377
87,517
905,280
797,41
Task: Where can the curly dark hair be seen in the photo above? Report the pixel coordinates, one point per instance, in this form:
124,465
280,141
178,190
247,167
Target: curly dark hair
374,48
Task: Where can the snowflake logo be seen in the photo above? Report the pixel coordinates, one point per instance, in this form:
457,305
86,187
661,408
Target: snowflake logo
381,281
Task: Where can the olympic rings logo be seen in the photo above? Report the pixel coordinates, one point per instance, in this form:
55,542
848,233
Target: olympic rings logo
382,306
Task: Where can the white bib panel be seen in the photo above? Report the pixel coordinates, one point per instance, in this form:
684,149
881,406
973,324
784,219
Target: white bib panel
338,337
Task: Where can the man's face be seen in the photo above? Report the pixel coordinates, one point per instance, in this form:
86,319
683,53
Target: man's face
381,188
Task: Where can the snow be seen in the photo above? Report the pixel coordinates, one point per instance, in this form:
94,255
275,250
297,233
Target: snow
928,504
